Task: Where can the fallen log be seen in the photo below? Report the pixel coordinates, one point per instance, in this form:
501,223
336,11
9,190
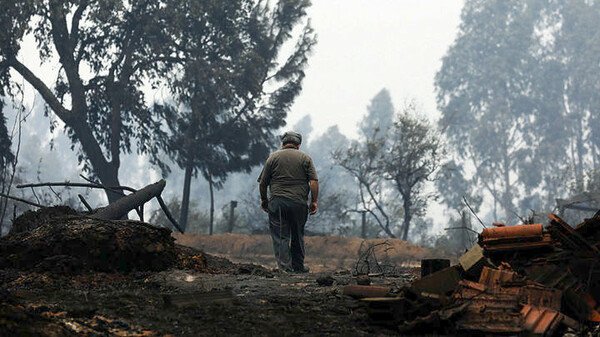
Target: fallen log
121,207
132,203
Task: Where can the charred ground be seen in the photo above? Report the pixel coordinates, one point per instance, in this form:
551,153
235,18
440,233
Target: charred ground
71,275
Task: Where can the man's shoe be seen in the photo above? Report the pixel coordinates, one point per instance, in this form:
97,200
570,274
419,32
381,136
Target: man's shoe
302,270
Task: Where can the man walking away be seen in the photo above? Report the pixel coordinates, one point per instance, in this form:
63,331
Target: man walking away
290,174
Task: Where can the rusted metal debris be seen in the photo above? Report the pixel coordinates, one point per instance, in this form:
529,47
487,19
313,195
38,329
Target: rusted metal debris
530,280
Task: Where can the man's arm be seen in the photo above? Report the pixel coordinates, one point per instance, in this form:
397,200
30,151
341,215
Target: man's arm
263,181
314,193
264,201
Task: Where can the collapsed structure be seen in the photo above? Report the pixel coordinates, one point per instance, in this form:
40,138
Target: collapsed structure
525,279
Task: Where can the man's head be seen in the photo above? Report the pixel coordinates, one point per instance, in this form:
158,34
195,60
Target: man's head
291,138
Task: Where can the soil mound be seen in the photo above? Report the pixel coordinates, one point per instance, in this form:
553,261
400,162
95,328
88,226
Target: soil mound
59,239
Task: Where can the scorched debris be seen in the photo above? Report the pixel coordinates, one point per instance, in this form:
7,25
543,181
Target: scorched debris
529,279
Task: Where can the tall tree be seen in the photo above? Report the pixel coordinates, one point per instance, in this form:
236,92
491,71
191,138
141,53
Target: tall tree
483,92
519,94
234,92
107,52
576,48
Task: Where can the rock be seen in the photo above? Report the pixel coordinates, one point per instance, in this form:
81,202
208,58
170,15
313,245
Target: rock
325,281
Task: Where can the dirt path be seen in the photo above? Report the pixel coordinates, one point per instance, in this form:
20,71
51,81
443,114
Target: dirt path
133,305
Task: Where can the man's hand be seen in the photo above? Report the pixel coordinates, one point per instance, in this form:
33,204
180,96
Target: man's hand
312,208
264,204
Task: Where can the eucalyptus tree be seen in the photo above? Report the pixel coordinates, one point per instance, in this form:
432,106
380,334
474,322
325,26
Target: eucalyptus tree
574,52
235,91
483,91
518,91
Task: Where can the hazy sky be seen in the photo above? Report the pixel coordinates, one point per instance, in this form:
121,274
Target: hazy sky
364,46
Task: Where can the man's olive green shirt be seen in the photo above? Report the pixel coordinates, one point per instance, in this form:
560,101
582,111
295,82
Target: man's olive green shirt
288,172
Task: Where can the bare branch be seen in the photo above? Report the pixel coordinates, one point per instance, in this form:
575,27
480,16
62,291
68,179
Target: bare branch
117,189
22,200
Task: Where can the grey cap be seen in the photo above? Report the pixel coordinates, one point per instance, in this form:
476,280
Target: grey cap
291,137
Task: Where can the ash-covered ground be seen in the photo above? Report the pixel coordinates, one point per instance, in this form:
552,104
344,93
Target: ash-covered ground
68,274
133,304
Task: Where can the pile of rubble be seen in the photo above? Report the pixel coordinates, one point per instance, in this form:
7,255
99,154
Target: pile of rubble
523,279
